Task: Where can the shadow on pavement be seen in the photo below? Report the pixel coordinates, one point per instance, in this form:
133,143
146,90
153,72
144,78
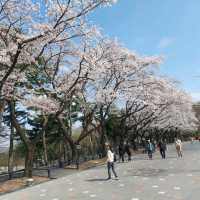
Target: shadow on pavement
147,172
154,158
97,179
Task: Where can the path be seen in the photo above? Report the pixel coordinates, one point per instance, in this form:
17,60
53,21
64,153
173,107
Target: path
141,179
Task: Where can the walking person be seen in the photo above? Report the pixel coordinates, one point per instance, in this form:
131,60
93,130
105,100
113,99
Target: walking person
110,162
121,152
128,151
150,148
162,147
178,145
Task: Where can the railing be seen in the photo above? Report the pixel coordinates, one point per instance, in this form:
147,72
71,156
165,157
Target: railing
20,173
16,174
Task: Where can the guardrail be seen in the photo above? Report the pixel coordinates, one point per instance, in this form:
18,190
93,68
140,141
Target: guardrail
16,174
20,173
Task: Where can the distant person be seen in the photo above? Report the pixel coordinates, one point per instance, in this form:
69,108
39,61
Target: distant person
162,147
121,152
150,149
128,151
110,162
178,145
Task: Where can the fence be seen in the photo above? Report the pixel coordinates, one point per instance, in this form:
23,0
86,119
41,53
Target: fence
46,172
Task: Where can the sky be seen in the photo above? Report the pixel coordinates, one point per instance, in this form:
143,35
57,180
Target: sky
168,28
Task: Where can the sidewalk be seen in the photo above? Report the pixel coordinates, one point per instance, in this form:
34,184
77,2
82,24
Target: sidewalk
41,176
158,179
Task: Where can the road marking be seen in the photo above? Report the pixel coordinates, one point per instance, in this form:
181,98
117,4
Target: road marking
177,188
155,186
42,195
171,174
85,192
93,195
189,175
161,192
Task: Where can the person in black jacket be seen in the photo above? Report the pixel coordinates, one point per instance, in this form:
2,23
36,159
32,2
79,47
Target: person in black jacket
128,151
162,147
121,152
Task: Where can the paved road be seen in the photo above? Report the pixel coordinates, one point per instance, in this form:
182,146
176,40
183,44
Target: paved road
141,179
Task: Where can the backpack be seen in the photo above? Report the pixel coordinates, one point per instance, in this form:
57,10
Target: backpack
150,146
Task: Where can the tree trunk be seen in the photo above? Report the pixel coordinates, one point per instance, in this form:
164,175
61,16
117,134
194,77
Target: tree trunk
103,134
103,145
68,153
11,146
92,147
73,150
30,146
60,162
44,142
10,154
64,153
68,139
45,149
74,154
2,106
29,161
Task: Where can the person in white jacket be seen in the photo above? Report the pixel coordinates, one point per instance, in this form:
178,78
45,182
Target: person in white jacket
178,145
110,162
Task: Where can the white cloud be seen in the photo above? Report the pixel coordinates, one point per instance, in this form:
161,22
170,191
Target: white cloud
165,42
195,96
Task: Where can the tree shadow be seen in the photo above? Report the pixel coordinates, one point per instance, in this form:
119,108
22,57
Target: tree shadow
147,172
97,179
154,158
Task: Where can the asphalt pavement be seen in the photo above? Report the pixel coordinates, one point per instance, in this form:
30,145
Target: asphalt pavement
141,179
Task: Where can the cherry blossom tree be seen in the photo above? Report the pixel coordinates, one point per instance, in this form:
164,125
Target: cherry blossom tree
164,107
56,65
31,31
38,35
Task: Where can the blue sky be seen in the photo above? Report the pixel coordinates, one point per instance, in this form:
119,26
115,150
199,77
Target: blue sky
170,28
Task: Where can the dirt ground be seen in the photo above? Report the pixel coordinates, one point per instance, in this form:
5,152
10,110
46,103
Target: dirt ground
19,183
